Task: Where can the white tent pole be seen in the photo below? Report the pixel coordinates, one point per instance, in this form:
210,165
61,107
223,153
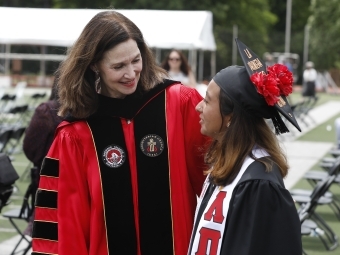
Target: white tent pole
288,25
42,61
234,50
7,61
28,56
213,63
306,45
43,64
2,50
200,66
193,60
158,55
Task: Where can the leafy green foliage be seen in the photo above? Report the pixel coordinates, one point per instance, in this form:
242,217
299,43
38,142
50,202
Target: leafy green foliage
27,3
325,33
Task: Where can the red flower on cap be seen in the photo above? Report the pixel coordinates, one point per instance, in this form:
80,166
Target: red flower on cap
278,81
284,78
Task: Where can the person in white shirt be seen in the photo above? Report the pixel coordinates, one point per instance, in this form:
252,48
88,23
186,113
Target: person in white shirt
309,78
178,68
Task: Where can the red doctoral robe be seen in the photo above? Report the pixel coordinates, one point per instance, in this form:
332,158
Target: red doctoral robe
125,180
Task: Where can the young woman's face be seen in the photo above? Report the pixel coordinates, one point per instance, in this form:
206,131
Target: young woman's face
209,108
120,69
174,60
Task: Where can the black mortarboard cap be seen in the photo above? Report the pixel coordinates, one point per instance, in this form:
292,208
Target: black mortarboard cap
254,64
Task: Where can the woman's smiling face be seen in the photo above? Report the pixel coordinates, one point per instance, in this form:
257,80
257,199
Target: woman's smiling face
120,69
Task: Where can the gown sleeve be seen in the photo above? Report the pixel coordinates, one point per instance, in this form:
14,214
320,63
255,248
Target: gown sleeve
195,142
262,220
62,212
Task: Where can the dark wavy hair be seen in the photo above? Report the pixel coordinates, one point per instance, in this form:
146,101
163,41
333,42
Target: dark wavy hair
103,32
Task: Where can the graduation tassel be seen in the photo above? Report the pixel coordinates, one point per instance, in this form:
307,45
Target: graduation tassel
279,125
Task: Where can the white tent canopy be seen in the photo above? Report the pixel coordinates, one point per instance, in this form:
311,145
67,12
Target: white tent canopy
61,27
186,30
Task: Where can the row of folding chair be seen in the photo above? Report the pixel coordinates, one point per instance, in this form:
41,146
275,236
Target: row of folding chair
17,115
301,112
12,115
301,109
320,194
10,139
8,101
22,214
35,99
314,176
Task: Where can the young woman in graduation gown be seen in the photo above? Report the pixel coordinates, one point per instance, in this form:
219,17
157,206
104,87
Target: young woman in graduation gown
244,208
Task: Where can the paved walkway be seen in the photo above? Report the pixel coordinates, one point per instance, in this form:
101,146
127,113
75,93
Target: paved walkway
301,155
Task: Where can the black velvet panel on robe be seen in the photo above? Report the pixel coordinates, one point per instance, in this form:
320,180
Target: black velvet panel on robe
154,207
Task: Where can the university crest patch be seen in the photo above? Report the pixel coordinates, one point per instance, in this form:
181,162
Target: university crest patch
152,145
113,156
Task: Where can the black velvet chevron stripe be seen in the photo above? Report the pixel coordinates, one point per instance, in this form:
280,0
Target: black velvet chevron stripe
50,167
45,230
46,199
40,253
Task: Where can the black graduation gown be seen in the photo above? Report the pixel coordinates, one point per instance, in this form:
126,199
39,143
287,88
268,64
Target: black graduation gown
262,217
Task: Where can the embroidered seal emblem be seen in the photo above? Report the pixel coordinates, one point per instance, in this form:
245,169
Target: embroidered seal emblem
152,145
113,156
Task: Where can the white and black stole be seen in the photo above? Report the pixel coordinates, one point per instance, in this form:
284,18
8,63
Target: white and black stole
208,236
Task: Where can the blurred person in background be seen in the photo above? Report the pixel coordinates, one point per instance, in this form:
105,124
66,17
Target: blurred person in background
269,60
309,79
178,68
38,139
288,64
40,132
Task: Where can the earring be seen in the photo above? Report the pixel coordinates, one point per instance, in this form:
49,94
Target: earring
228,124
97,82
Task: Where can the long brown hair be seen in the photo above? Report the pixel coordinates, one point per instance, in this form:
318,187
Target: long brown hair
103,32
227,154
185,68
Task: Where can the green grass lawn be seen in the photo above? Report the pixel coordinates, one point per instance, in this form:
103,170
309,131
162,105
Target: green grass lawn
323,133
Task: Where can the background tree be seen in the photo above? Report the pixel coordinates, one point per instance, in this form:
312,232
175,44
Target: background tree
253,19
325,34
300,14
27,3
